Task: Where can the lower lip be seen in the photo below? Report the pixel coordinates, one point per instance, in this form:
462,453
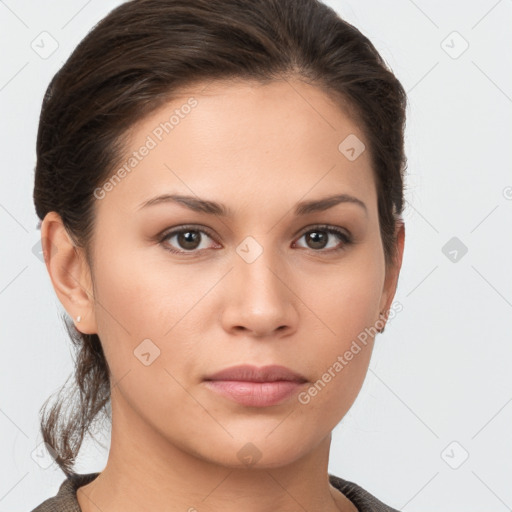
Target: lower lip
255,394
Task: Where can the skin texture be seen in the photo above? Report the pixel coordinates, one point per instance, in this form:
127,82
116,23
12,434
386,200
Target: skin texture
175,444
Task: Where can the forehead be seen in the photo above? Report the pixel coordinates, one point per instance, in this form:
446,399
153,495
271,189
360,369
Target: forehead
241,141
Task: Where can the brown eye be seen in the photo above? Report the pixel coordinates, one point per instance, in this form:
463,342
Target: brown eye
187,239
190,240
317,238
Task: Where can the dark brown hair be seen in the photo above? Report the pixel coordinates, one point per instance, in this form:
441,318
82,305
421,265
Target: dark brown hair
131,63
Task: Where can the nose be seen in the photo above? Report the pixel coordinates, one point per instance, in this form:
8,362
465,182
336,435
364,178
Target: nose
259,298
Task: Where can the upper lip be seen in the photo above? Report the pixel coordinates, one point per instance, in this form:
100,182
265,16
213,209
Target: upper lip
251,373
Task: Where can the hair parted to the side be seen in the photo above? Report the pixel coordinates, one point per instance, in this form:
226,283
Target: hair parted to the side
131,63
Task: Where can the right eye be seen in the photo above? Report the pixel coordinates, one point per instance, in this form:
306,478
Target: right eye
188,237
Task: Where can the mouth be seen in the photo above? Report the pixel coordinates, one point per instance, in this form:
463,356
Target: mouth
249,373
256,387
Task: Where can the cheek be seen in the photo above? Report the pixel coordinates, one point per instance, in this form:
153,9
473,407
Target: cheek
138,315
346,300
137,301
143,297
344,312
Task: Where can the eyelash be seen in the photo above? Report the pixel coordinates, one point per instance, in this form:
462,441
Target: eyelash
346,239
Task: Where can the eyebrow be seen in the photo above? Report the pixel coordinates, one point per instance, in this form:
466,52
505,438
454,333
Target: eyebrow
213,208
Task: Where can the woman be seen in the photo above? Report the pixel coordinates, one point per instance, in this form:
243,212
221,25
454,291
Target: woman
220,185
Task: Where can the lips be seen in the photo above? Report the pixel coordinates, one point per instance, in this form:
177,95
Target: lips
251,386
249,373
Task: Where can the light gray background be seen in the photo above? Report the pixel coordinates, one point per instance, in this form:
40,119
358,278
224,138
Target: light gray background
439,384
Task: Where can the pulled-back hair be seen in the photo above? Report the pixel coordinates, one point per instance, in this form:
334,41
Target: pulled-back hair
131,63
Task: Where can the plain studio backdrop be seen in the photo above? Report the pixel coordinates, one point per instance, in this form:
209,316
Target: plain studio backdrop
430,429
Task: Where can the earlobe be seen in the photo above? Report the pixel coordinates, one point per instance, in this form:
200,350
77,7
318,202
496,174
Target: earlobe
69,272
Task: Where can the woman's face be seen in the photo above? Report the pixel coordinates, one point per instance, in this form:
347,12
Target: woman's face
264,284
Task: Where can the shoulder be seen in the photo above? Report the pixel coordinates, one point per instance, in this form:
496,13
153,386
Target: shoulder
361,498
65,500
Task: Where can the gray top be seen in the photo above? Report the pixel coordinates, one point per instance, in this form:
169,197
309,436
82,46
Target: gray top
65,500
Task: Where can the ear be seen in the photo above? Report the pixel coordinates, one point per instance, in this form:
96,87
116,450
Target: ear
392,273
69,272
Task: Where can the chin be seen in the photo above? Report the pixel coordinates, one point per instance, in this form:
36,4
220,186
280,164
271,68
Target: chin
258,453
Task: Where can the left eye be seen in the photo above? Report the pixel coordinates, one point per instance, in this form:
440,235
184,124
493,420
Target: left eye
190,239
318,237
